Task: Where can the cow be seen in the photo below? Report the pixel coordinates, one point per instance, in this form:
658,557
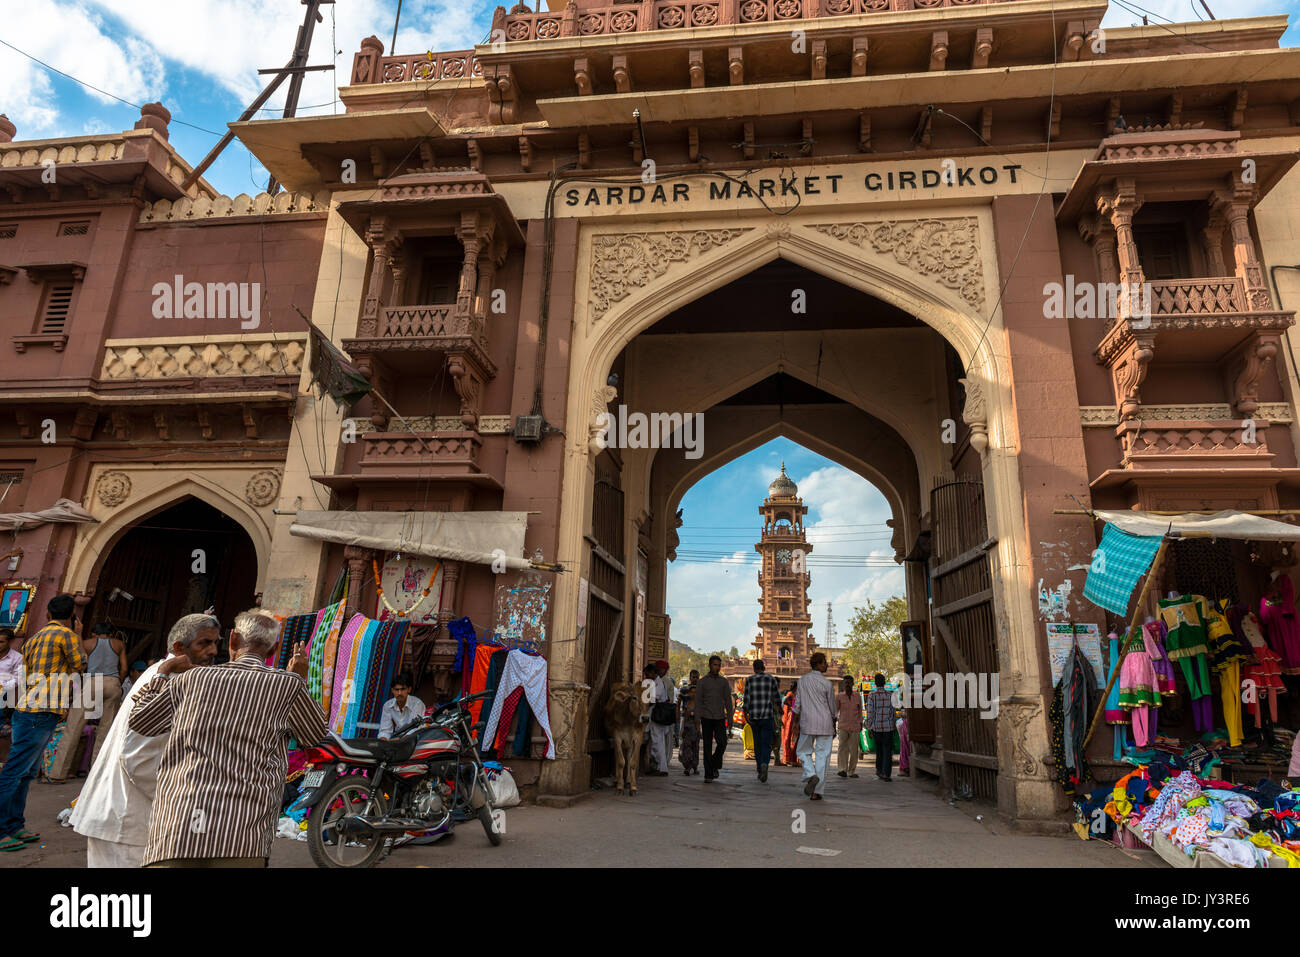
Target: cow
626,714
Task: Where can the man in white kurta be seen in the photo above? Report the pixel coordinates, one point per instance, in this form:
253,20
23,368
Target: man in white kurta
112,811
661,735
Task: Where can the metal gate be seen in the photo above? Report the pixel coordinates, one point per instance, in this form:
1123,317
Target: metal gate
964,626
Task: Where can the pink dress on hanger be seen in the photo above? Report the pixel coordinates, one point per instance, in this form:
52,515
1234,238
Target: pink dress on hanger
1279,617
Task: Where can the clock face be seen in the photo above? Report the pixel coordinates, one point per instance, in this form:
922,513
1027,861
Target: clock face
783,556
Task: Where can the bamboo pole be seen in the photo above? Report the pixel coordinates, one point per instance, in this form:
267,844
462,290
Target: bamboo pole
1123,647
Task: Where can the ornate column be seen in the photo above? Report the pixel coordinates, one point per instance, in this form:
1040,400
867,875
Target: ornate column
1212,237
1248,365
358,562
377,239
469,237
1234,206
1119,206
397,266
975,415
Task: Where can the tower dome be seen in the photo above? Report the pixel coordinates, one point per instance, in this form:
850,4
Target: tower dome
782,485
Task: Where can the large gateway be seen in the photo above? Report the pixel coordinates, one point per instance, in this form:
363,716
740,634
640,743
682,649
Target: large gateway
1005,265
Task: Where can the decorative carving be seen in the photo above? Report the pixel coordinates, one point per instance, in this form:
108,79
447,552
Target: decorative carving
120,422
938,49
1152,444
947,250
1022,715
600,401
113,488
1250,362
819,59
975,414
569,718
622,263
1197,296
622,74
468,378
1100,416
695,60
198,356
582,76
736,65
983,47
859,63
262,488
211,209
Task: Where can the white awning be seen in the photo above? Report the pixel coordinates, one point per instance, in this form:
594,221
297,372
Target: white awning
1226,524
479,537
64,510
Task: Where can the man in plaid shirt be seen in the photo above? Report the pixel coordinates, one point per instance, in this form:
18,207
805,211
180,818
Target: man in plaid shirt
880,722
762,698
49,656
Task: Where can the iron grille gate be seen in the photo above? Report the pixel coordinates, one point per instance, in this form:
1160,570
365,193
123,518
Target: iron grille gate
964,627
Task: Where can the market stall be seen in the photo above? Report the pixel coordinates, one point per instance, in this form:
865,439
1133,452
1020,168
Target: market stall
1198,688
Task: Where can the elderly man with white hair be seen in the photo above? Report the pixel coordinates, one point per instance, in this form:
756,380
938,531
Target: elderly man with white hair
223,769
112,812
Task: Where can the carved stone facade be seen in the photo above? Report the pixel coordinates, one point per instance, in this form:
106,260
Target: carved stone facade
623,263
204,357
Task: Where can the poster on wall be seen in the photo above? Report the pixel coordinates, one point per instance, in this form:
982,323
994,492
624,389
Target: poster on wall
520,615
916,646
1061,636
15,603
405,580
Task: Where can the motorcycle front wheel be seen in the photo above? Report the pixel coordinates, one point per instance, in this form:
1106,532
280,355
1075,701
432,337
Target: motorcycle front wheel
328,844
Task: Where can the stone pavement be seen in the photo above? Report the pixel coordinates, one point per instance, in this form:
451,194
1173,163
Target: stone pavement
679,821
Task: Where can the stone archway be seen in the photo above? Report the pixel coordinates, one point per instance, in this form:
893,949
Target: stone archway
119,497
938,268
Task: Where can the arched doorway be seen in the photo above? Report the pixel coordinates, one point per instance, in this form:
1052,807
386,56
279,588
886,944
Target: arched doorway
185,558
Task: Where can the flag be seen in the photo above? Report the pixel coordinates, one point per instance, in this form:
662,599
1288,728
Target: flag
332,372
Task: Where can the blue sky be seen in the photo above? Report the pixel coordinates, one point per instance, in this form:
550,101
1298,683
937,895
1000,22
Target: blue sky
713,586
200,58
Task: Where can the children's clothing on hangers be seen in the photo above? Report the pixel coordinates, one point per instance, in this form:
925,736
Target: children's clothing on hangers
1279,617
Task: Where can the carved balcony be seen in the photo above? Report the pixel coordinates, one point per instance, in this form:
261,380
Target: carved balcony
1202,443
369,67
421,453
1198,297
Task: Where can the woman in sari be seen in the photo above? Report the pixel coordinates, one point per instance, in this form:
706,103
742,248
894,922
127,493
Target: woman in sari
688,749
790,730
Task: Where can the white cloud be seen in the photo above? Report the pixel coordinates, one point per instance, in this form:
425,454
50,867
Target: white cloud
75,39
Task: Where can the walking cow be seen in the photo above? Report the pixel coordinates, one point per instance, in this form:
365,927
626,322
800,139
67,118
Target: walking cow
626,715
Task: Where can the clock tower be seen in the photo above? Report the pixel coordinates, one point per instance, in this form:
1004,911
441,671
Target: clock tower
783,641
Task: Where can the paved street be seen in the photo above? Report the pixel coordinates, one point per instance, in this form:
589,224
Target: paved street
680,822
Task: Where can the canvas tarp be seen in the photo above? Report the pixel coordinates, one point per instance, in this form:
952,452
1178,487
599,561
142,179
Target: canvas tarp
64,510
1227,524
479,537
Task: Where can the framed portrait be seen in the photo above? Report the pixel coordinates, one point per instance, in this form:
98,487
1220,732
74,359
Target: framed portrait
916,646
15,603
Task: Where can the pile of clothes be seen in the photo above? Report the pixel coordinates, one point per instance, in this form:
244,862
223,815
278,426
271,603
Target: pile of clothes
1242,825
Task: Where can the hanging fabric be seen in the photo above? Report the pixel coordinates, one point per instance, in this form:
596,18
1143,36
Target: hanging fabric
529,672
328,620
1121,560
293,630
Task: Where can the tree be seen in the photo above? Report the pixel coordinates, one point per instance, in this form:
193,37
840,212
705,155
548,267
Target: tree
874,643
682,658
734,652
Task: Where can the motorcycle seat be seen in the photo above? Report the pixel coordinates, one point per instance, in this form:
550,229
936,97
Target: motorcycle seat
382,749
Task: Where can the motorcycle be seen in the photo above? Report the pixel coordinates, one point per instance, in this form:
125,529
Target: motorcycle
423,779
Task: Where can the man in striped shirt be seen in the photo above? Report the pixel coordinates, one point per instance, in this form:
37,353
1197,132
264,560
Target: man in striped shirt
222,775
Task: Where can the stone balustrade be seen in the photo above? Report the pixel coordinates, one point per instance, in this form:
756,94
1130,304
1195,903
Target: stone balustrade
422,452
1198,297
215,208
1219,442
367,67
203,357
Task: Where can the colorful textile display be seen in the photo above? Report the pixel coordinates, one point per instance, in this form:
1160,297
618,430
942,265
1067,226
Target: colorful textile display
1122,559
384,660
1073,703
344,670
1115,715
363,651
294,629
327,622
529,672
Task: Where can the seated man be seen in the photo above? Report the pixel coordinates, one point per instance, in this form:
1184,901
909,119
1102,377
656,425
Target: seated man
401,709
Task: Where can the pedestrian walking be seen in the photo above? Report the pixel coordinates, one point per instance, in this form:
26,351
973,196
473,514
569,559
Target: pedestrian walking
880,722
814,702
221,778
688,752
714,704
762,696
112,811
49,657
790,729
778,713
849,704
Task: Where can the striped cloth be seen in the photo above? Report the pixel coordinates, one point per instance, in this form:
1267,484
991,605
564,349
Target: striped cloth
384,668
354,689
294,629
325,619
345,665
1118,563
329,657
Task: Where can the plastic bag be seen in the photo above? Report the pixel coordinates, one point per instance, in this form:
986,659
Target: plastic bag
505,793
